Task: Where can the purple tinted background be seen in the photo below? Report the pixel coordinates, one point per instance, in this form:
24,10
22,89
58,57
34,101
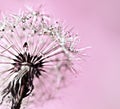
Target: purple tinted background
98,24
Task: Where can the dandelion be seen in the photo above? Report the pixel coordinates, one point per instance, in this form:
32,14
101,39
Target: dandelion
34,53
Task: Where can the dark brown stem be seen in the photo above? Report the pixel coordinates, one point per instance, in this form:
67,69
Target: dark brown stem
16,105
26,88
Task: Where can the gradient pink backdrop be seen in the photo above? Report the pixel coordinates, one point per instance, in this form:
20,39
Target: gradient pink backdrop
98,24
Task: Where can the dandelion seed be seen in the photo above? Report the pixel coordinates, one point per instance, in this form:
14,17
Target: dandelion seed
32,47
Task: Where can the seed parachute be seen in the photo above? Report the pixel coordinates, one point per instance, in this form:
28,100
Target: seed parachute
35,54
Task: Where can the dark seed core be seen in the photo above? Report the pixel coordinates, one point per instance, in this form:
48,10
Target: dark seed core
34,62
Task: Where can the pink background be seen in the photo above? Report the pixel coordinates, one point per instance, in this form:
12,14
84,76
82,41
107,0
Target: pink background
98,24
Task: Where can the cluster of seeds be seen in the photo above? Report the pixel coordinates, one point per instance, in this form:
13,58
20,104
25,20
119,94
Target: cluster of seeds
35,53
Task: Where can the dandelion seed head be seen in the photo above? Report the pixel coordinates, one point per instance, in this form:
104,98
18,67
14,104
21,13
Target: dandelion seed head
35,55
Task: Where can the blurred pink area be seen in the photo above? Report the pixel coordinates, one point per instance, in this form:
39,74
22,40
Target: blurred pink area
98,24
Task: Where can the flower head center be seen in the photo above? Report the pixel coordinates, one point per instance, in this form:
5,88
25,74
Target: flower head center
33,62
